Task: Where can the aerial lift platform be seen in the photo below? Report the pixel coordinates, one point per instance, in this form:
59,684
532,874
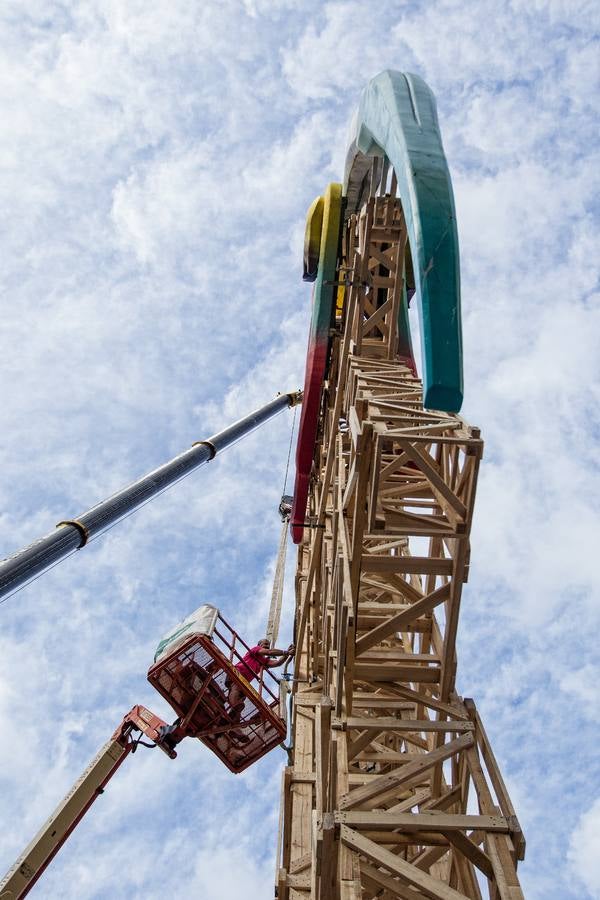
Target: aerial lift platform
196,669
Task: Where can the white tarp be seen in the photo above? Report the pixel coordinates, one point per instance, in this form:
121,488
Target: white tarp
202,621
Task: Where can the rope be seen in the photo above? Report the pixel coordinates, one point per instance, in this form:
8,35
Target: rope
277,593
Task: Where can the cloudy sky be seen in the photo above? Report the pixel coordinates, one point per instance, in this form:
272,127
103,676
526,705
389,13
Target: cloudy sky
157,161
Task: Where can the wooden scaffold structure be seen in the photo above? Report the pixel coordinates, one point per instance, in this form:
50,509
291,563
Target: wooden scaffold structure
393,789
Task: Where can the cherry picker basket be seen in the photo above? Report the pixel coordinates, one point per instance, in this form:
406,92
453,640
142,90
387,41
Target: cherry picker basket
195,671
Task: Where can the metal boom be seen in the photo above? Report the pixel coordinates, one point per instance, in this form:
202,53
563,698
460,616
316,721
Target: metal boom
73,534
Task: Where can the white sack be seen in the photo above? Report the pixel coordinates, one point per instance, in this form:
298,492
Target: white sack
202,621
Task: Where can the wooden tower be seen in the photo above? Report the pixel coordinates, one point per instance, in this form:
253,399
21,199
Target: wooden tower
392,788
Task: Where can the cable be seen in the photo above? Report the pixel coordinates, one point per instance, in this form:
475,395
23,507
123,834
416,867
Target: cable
287,465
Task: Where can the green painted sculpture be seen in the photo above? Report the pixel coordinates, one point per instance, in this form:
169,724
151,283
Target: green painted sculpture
397,120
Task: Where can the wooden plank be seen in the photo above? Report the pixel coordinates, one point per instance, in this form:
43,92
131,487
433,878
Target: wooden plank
373,701
302,864
350,890
496,777
392,886
445,495
301,793
285,820
429,886
409,840
322,741
346,857
428,857
374,487
299,882
462,869
333,773
416,799
400,757
341,657
382,820
404,775
397,653
329,859
393,585
396,622
385,258
407,565
402,522
283,892
365,451
432,702
449,798
451,625
380,671
472,852
397,293
391,723
361,743
505,874
307,700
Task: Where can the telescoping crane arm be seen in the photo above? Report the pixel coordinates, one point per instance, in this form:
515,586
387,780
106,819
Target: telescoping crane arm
45,845
73,534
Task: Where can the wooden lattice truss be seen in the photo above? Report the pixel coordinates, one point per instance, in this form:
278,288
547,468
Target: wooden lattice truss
393,790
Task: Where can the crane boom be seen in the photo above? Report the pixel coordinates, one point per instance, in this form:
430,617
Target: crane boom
73,534
38,855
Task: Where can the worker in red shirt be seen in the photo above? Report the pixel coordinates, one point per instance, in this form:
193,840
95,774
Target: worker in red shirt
251,665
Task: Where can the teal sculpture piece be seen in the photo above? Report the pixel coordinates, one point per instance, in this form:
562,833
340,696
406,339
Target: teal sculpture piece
397,121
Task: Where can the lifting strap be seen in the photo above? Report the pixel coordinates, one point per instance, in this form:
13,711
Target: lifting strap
285,509
277,595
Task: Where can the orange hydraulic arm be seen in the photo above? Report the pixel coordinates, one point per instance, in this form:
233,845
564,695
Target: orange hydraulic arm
139,722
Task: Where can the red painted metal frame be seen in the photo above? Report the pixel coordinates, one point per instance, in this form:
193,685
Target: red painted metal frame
323,311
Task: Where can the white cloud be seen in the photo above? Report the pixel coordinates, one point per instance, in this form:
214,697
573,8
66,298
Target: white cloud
580,684
583,850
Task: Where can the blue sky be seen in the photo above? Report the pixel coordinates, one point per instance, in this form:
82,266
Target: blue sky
157,163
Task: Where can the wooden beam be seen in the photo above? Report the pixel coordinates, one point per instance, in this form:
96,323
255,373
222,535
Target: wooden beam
407,565
322,741
329,859
452,709
394,887
429,886
472,852
496,776
376,820
380,671
452,506
404,775
391,723
397,622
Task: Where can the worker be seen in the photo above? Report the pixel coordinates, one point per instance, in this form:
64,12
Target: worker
252,664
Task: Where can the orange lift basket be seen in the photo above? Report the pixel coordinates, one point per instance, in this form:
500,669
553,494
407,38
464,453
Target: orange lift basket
195,671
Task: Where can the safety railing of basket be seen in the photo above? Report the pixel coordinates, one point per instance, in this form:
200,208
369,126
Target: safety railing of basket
234,649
